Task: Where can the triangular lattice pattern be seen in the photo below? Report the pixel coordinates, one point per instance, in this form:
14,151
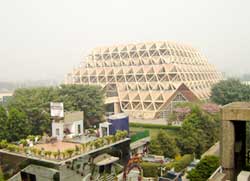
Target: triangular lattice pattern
144,76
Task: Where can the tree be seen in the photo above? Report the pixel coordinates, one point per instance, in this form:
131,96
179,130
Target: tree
89,99
199,131
18,125
35,102
164,145
1,175
3,123
204,169
231,90
155,147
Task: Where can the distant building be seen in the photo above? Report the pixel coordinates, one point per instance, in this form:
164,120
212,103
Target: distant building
146,80
5,96
246,82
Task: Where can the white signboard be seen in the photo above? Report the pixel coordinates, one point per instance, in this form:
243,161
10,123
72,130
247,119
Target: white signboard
56,109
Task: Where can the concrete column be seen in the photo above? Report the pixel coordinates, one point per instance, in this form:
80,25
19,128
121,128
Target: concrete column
227,148
117,108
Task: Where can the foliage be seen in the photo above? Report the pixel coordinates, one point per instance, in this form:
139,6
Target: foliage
89,99
23,142
70,152
31,137
154,126
1,175
120,134
3,144
164,145
3,122
32,106
155,147
204,169
199,131
18,125
231,90
152,169
183,162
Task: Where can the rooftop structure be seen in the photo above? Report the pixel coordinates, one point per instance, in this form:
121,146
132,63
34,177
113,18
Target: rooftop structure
69,148
145,80
71,125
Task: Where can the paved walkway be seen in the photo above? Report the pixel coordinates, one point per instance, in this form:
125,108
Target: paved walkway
148,121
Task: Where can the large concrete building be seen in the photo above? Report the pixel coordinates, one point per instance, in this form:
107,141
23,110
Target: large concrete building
145,80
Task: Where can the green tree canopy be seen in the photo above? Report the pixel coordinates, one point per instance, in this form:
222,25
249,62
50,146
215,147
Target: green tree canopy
231,90
89,99
3,122
164,145
199,131
35,104
18,125
204,169
1,175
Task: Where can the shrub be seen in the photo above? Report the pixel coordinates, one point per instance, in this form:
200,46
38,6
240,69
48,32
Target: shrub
39,152
77,149
183,162
70,152
23,142
120,134
31,137
3,144
55,154
84,146
11,147
204,168
153,169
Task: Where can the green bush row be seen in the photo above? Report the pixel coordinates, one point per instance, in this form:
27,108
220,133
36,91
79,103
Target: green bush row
154,126
153,169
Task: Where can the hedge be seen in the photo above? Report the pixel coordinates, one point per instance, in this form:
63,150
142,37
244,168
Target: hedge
151,169
154,126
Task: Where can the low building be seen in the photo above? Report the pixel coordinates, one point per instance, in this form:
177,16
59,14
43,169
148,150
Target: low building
68,154
5,96
68,127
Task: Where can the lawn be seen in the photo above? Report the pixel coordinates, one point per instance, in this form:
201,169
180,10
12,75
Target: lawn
153,131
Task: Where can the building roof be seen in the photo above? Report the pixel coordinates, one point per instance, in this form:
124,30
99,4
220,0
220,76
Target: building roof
236,111
144,76
70,117
104,159
118,116
59,145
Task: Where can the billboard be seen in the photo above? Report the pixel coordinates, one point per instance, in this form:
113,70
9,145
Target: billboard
56,109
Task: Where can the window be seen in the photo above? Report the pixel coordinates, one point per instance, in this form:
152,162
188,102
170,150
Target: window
57,132
79,128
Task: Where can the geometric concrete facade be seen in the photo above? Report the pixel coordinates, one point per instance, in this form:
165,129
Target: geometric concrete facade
144,78
233,138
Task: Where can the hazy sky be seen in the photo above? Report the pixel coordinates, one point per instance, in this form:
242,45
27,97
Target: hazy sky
45,39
